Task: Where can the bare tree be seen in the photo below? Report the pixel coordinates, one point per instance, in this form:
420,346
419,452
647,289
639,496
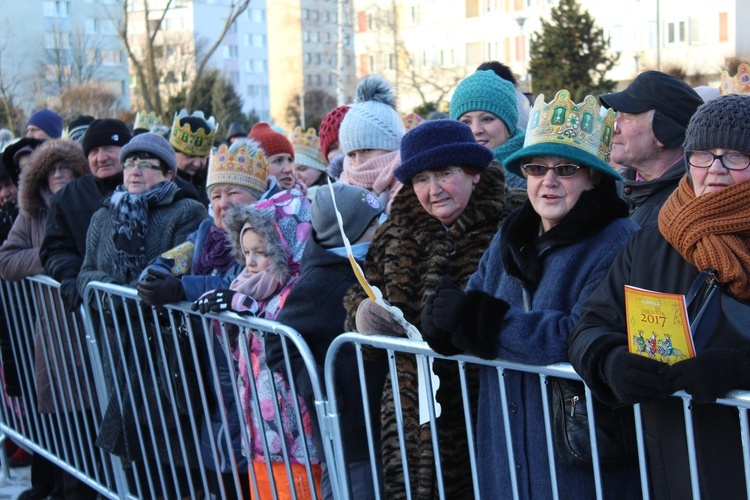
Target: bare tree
9,83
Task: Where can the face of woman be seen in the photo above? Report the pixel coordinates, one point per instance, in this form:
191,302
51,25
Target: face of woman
488,129
254,250
142,175
553,197
444,193
281,166
307,175
716,176
360,156
223,196
58,177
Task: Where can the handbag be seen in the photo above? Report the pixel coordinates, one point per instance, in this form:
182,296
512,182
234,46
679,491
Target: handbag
717,319
184,382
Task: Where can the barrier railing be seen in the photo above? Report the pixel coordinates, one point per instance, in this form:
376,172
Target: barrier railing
141,402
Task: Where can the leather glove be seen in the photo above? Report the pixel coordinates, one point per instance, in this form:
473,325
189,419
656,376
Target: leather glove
712,374
158,288
69,294
218,301
372,318
634,378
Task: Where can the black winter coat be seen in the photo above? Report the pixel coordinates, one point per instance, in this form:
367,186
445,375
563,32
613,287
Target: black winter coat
650,262
647,197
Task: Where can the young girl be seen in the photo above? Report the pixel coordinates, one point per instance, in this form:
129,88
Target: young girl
269,237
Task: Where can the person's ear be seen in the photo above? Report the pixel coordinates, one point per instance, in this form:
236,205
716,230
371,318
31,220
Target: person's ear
169,175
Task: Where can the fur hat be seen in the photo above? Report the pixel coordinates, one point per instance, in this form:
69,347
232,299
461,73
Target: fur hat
307,149
44,159
373,122
358,208
720,123
437,144
105,132
154,144
284,223
485,91
47,120
329,129
272,142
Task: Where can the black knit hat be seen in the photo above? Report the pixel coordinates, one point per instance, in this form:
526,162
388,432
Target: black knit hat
720,123
105,132
438,144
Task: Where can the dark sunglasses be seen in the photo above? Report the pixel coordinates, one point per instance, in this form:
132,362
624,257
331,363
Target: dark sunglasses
562,170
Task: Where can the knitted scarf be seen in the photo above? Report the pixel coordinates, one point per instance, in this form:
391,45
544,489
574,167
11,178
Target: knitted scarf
216,253
130,214
259,286
712,231
364,175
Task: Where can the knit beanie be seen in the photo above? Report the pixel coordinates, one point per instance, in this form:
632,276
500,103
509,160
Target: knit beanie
151,143
329,129
373,122
77,128
307,149
105,132
272,142
47,120
720,123
485,91
358,207
438,144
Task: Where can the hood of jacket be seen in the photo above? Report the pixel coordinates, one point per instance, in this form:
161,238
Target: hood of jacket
44,159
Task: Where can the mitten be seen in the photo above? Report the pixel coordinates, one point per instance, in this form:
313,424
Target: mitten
438,321
218,301
69,294
634,378
711,374
158,288
372,318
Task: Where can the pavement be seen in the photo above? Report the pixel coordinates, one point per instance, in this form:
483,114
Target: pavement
19,480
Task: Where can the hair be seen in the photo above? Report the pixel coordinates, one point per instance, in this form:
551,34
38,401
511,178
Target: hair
145,155
500,70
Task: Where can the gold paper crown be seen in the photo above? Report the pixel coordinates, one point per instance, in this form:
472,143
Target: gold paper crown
307,147
184,140
144,121
586,126
740,84
411,120
246,167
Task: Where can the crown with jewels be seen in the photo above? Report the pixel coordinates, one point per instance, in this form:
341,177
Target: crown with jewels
740,84
307,148
411,120
246,167
145,121
586,126
198,143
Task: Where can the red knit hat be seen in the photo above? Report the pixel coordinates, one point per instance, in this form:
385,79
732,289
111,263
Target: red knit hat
272,142
329,129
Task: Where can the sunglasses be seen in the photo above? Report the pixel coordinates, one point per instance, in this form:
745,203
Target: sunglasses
562,170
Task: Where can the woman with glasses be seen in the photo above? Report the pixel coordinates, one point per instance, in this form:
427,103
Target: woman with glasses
704,224
525,298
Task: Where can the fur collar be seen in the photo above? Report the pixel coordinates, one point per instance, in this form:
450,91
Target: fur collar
523,247
31,197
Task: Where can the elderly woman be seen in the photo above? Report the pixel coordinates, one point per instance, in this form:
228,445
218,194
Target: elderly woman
487,103
704,224
441,222
525,298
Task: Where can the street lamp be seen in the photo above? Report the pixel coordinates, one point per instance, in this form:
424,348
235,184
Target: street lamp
521,20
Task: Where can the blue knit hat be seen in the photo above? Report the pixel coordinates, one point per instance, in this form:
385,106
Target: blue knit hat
485,91
151,143
372,122
438,144
47,120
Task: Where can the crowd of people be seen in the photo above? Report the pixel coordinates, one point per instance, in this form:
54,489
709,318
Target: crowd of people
503,230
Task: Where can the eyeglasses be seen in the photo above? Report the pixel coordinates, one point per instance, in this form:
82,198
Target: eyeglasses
732,160
561,170
129,165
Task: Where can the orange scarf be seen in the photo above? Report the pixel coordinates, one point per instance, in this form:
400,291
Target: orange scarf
712,230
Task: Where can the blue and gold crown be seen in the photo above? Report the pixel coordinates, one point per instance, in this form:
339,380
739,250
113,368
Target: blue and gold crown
586,126
245,167
739,84
185,140
145,121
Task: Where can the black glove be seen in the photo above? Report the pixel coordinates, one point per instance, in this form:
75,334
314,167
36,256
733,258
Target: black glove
225,300
713,373
634,378
69,294
158,288
454,321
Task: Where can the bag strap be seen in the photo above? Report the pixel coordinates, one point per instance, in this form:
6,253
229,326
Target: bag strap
703,289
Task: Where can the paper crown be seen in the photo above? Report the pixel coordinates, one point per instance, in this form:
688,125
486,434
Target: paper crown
246,167
740,84
198,143
307,148
411,120
144,121
586,126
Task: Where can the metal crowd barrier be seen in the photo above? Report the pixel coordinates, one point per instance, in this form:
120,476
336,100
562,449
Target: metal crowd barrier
134,389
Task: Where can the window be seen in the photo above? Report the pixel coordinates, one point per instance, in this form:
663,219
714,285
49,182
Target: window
256,15
313,15
305,14
615,38
57,40
723,27
473,54
259,41
56,9
229,52
676,32
111,56
305,36
472,8
308,57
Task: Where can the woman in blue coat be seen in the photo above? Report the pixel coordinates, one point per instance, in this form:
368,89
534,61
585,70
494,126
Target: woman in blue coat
525,298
